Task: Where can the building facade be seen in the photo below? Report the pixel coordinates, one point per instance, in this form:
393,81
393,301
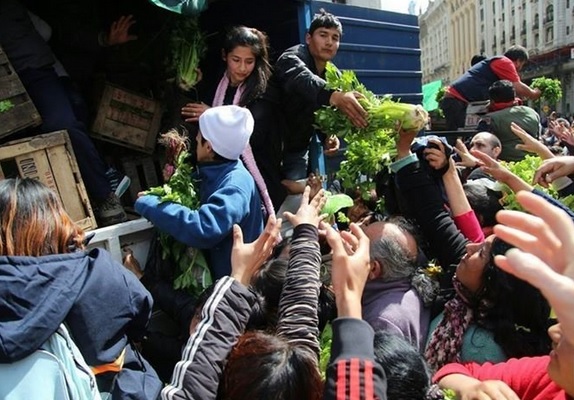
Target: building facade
489,27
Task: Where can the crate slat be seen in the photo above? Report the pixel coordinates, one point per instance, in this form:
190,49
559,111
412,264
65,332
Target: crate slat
127,119
50,159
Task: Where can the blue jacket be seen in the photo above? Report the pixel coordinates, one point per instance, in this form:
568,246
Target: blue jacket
103,304
228,196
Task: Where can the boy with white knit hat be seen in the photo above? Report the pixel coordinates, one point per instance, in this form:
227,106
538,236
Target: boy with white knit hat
228,194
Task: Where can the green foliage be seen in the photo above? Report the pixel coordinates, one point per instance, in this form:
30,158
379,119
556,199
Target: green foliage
6,105
368,149
551,89
188,46
449,394
525,169
325,343
192,271
440,94
336,202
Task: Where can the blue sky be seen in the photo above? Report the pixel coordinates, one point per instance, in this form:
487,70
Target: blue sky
402,6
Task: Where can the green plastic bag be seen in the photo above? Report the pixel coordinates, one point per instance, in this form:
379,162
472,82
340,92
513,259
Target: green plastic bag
184,7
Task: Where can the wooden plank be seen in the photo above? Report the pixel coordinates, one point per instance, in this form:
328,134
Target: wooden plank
18,147
37,166
21,116
66,179
10,86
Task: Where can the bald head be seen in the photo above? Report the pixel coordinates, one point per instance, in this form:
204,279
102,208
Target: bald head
487,143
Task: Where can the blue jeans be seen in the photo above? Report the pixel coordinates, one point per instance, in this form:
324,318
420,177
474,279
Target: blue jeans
295,164
52,101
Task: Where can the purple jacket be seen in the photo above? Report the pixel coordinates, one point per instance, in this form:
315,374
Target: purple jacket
395,306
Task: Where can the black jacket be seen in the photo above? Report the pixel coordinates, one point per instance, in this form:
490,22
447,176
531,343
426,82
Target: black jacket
302,92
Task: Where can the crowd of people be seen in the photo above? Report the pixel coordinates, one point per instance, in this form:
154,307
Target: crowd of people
490,318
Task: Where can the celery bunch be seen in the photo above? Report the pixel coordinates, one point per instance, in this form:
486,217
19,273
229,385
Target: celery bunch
372,148
192,271
188,46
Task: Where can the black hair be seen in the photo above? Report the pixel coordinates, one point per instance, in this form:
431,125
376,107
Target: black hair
501,91
325,20
484,201
257,41
517,53
268,283
408,374
515,312
476,59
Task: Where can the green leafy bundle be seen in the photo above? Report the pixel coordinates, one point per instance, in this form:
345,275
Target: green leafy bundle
6,105
325,342
551,89
372,148
192,271
525,169
188,46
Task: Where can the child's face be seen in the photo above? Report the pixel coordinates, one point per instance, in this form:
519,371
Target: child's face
203,151
561,366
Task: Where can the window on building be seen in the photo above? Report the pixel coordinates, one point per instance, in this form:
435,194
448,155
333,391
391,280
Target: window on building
494,6
481,15
536,40
502,17
550,13
568,30
567,3
549,35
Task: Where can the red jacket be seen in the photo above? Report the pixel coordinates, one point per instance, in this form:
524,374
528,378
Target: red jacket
527,376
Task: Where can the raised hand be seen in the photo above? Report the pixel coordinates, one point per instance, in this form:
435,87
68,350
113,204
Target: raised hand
309,211
552,169
466,159
350,268
544,256
530,144
247,258
119,31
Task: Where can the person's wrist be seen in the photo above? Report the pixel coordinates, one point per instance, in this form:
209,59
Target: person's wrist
349,305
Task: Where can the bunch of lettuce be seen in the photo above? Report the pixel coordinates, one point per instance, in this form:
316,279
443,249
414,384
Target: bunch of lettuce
188,46
551,89
525,169
372,148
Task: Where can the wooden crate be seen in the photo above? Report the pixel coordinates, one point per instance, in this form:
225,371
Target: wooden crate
127,119
23,113
50,159
144,172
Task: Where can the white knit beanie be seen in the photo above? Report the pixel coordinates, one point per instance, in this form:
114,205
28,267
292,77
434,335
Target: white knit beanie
228,129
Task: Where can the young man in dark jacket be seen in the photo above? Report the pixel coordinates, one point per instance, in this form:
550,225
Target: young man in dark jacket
300,78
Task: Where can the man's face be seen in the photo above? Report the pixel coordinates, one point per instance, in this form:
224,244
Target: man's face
323,43
481,142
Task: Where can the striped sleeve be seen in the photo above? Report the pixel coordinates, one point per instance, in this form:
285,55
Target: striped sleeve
223,319
298,322
352,373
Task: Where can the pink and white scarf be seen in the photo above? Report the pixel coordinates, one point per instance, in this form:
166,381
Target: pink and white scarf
247,155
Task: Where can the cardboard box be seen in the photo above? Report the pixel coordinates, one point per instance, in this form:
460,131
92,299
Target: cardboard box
50,159
19,111
128,119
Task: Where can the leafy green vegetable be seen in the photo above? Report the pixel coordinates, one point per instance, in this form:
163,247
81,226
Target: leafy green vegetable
188,46
449,394
525,169
325,344
551,89
192,270
368,149
6,105
335,203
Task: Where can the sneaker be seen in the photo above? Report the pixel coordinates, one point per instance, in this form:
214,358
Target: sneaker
118,181
110,211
